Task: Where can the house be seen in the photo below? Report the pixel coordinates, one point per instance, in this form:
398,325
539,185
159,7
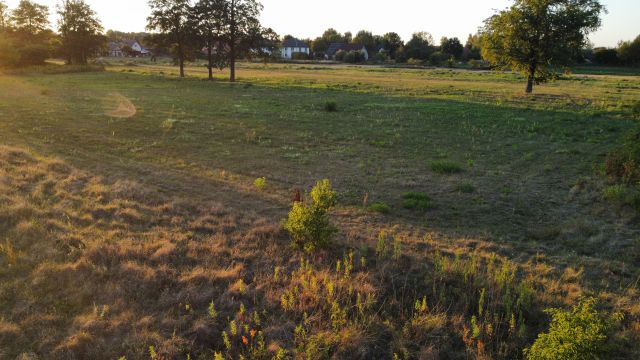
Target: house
335,47
124,48
292,46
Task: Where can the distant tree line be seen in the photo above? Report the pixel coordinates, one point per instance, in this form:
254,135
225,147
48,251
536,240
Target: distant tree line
225,30
26,38
627,53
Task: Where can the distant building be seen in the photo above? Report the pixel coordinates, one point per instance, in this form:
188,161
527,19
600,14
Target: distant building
335,47
126,48
292,46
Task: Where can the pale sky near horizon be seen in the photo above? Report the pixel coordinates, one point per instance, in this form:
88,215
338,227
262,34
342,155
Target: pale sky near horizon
309,19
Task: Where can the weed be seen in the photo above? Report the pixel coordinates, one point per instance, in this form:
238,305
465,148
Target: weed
330,106
466,188
417,201
260,183
309,224
380,207
445,167
577,334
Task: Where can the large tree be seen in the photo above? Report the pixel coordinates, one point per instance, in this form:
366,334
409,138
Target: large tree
173,21
243,30
209,17
80,31
30,17
452,47
629,51
420,46
391,43
536,36
4,16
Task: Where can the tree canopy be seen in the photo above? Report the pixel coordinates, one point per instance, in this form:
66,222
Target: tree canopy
30,17
536,36
80,31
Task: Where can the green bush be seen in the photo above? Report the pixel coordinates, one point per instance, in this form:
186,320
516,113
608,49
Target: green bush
9,56
33,54
260,183
380,207
330,106
340,55
416,201
578,334
308,224
623,165
354,57
466,188
445,167
300,56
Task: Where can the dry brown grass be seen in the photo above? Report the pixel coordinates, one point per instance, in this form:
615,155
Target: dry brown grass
92,269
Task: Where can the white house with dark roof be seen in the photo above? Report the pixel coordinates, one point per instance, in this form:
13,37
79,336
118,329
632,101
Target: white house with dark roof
292,46
116,49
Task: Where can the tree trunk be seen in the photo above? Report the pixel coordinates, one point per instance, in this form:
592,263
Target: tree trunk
210,54
232,63
531,78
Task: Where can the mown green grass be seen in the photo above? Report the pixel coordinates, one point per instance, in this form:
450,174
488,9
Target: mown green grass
528,156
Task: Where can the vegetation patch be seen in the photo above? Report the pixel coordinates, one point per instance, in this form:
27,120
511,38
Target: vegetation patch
330,106
445,167
380,207
416,201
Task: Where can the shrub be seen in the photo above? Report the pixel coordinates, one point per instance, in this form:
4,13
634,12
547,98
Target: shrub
300,56
330,106
466,188
9,56
380,207
416,201
323,196
635,109
260,183
308,224
623,165
445,167
414,62
340,55
577,334
353,57
33,54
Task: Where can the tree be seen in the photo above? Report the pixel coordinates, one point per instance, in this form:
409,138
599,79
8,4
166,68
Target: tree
243,30
210,18
420,46
320,45
534,36
30,17
172,19
451,47
391,42
80,31
367,39
473,47
4,16
629,51
605,56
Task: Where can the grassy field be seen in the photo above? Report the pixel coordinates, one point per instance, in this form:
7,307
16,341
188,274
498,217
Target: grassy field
128,207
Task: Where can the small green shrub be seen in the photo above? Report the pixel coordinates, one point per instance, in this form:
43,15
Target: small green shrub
380,207
577,334
260,183
330,106
635,109
466,188
445,167
417,201
308,224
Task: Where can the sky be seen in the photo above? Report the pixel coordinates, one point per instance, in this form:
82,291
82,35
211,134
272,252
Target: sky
309,19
